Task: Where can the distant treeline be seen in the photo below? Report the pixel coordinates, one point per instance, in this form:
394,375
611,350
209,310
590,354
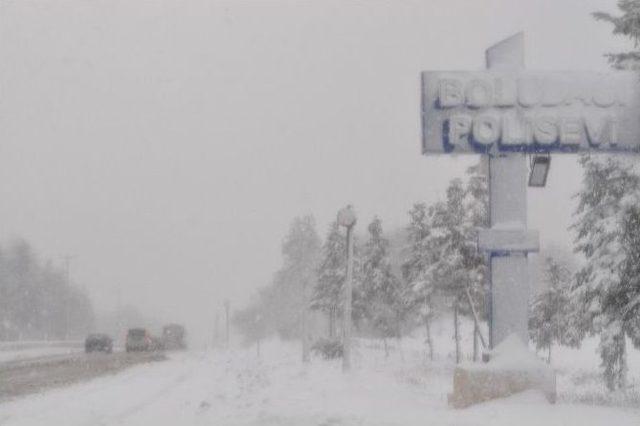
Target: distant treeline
36,301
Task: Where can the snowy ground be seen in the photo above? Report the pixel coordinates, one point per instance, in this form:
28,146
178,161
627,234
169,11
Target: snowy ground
239,388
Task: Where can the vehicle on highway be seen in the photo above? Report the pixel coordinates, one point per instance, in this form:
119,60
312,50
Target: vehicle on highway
138,339
173,337
98,342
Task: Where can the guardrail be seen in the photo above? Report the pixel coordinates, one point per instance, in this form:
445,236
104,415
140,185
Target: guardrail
18,345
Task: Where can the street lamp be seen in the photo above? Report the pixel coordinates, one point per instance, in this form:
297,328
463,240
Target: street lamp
347,218
540,165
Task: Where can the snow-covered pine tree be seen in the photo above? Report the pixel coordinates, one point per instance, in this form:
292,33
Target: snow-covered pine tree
381,292
477,210
327,292
458,266
418,260
607,225
550,320
477,195
606,288
442,256
448,235
627,24
295,279
631,241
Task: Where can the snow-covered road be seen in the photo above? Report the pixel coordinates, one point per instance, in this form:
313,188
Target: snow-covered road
238,388
23,377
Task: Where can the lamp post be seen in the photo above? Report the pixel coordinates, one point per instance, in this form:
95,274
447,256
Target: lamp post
67,276
347,218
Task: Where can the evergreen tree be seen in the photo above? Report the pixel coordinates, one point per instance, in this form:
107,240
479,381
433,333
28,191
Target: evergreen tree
381,292
551,321
476,200
607,233
442,257
477,210
449,240
416,267
628,25
459,265
607,286
459,269
327,293
291,284
476,206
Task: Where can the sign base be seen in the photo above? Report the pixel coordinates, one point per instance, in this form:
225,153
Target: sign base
511,369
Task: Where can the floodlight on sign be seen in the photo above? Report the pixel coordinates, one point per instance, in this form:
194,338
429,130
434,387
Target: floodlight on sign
540,165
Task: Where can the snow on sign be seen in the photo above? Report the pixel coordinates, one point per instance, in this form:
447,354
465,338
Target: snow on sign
490,111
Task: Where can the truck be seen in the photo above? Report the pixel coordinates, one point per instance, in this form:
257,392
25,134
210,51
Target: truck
173,337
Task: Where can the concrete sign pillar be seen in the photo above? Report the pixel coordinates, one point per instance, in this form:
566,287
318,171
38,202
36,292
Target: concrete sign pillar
509,283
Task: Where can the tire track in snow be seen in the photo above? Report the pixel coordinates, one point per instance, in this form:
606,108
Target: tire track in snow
159,394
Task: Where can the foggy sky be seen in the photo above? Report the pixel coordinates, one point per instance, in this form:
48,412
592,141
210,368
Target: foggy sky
168,144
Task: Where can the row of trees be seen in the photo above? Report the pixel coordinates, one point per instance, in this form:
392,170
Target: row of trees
36,301
601,297
439,268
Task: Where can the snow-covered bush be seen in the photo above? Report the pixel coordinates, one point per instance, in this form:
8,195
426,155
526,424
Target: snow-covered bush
327,348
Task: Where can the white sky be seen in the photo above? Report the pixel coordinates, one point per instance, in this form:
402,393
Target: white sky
168,144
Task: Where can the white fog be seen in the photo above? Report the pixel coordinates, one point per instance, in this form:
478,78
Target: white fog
165,149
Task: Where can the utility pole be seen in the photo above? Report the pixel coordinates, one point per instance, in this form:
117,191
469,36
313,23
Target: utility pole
119,325
226,312
305,327
347,218
216,332
67,265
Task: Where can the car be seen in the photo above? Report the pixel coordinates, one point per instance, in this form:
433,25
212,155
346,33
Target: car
98,342
138,339
173,337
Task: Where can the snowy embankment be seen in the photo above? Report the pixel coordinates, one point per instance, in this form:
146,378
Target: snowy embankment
579,376
237,387
23,350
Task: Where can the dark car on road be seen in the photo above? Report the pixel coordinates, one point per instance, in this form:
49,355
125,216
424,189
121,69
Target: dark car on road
98,342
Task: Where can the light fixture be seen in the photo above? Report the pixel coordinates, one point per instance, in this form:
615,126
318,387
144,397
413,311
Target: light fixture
347,217
540,165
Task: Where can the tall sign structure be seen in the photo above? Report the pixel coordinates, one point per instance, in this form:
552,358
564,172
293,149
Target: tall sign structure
504,113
